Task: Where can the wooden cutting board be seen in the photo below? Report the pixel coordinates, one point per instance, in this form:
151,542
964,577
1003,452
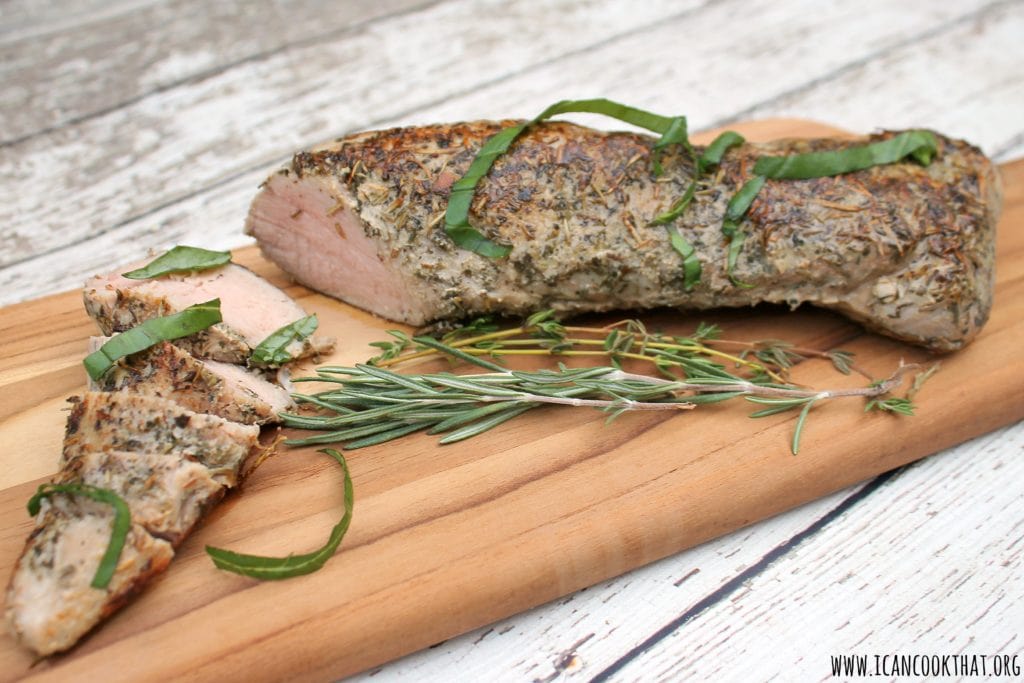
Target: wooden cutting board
445,539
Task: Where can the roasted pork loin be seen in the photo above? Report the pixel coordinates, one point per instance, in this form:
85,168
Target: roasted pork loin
905,249
169,464
164,431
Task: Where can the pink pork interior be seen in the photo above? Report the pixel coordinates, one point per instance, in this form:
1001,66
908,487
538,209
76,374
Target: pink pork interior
303,227
250,305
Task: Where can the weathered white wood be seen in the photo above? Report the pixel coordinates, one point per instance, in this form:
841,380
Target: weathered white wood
161,150
90,60
88,178
719,61
33,18
968,76
936,559
1011,149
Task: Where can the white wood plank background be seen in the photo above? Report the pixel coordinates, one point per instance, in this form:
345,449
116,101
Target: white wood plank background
134,124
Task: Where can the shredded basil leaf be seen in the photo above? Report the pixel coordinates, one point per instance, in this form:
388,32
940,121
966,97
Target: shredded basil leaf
677,208
119,533
735,245
675,134
273,568
734,212
456,219
921,145
272,350
151,332
741,201
711,156
180,259
714,152
691,264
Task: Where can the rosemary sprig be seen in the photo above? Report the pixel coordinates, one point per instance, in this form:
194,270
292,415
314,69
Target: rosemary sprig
370,404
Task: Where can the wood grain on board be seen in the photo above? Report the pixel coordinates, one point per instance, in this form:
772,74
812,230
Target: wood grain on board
445,539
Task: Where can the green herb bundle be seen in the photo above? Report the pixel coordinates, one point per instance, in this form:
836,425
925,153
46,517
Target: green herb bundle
370,404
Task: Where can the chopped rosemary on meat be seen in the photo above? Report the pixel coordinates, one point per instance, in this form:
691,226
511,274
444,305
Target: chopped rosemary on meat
119,531
710,158
920,145
272,351
673,130
274,568
151,332
180,259
371,405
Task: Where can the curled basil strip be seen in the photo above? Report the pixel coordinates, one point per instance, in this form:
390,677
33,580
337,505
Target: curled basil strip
920,145
272,350
710,157
456,219
678,207
741,201
713,153
180,259
734,212
273,568
119,533
151,332
691,264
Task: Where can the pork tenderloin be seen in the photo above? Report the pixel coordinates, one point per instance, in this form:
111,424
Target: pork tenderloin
907,250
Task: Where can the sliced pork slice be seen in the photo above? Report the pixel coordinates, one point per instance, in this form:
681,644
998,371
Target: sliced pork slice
222,389
167,494
251,307
108,421
50,602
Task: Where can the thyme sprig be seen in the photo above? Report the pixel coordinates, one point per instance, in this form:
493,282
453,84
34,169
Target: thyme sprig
370,404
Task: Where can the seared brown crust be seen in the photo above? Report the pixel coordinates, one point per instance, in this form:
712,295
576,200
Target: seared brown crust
50,603
905,249
149,424
167,371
